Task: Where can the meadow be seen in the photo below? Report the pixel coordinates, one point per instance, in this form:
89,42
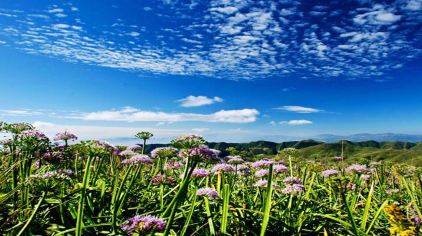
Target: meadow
66,187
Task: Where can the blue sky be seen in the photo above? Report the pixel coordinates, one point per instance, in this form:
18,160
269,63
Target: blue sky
236,70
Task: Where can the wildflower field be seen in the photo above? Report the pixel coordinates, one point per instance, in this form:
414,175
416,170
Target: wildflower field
66,187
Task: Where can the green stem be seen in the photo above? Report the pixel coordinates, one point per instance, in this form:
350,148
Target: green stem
79,219
32,215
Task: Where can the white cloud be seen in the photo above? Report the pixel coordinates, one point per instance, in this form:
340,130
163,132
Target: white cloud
130,114
197,101
134,34
387,17
225,10
20,112
377,16
299,109
414,5
296,122
55,10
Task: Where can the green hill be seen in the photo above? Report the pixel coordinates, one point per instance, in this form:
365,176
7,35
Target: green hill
354,151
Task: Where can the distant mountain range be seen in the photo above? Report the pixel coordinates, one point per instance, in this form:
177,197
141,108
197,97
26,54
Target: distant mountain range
381,137
394,151
366,136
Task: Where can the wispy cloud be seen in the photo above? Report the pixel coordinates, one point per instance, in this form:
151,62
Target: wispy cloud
296,122
298,109
197,101
20,112
130,114
230,39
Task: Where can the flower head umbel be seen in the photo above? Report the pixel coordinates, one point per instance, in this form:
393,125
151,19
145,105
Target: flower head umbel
209,193
164,152
188,141
200,173
261,173
33,134
243,170
263,184
292,180
360,169
280,168
138,159
126,153
162,179
200,153
293,189
223,167
55,174
235,160
65,136
171,165
143,225
262,163
330,172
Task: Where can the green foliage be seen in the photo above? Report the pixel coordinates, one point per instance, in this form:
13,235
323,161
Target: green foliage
39,198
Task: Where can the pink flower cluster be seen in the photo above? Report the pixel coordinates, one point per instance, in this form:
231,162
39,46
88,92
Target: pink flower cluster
65,136
143,225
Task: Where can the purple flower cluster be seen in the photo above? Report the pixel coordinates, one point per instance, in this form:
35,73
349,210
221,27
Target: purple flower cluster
162,179
209,193
330,172
126,153
202,153
200,173
164,152
280,168
57,174
262,163
170,165
261,173
263,184
235,160
65,136
138,159
360,169
52,155
35,134
223,167
243,170
104,144
365,177
143,225
293,189
188,141
292,180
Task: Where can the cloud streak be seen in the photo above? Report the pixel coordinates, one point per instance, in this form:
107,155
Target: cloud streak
130,114
296,122
299,109
197,101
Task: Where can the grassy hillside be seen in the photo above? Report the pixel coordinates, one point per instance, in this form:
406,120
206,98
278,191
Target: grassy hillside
406,152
